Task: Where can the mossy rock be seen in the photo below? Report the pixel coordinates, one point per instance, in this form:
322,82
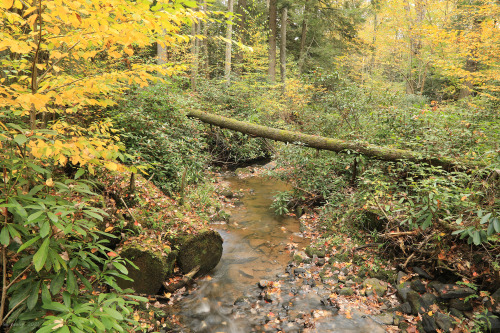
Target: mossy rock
203,249
155,262
311,251
373,219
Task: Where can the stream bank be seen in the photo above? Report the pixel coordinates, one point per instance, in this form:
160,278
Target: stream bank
282,276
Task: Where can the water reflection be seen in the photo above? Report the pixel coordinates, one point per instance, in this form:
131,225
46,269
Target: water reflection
255,241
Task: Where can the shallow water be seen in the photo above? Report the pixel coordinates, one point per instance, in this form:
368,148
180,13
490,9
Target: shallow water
255,248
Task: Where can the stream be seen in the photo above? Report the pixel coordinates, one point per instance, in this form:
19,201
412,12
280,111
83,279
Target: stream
256,244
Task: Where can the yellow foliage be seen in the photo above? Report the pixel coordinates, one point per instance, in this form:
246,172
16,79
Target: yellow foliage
87,48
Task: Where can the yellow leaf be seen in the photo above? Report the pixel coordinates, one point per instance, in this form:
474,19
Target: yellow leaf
108,229
7,3
49,182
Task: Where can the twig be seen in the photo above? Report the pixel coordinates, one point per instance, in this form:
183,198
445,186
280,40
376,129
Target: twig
135,220
54,64
19,275
15,307
185,279
365,246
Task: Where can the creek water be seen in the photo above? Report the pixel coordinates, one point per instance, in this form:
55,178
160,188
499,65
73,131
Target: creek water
255,249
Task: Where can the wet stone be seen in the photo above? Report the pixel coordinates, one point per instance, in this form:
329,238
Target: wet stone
402,291
374,285
422,273
448,291
346,292
443,321
460,304
385,319
429,324
418,286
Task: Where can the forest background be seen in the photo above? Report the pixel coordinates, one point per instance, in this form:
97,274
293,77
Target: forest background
90,86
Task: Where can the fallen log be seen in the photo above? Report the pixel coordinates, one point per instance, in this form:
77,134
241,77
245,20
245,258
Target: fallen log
319,142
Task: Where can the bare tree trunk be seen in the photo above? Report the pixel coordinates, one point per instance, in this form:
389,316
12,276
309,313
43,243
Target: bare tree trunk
273,13
241,34
194,62
303,35
229,36
161,52
284,17
204,46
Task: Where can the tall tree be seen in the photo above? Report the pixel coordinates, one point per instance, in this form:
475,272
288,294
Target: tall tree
284,17
229,36
303,36
273,30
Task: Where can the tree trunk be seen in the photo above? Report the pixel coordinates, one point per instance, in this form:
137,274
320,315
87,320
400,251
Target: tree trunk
229,36
284,14
194,62
302,51
314,141
241,34
273,12
161,52
204,45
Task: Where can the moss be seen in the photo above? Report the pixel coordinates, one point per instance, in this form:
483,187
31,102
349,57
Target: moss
203,249
154,263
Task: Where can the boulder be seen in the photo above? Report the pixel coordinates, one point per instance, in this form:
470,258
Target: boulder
203,249
375,285
449,291
155,262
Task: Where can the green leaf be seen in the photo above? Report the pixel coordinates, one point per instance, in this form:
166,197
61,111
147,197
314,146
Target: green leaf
34,216
55,307
57,283
79,173
35,190
496,224
53,217
92,214
33,298
4,236
46,298
476,238
44,228
485,218
71,282
20,139
121,268
113,313
41,255
28,243
38,169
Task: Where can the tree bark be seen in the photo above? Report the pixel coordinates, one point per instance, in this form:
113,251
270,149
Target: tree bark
284,17
273,12
319,142
302,51
229,36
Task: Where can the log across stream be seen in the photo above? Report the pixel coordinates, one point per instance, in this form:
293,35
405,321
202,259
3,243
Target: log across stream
255,250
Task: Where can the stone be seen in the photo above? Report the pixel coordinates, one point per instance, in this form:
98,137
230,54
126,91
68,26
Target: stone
401,277
376,285
448,291
460,304
384,319
346,291
417,304
456,313
429,299
264,283
402,291
422,273
320,262
155,262
443,321
299,271
203,249
227,193
429,324
404,308
311,251
495,305
418,286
